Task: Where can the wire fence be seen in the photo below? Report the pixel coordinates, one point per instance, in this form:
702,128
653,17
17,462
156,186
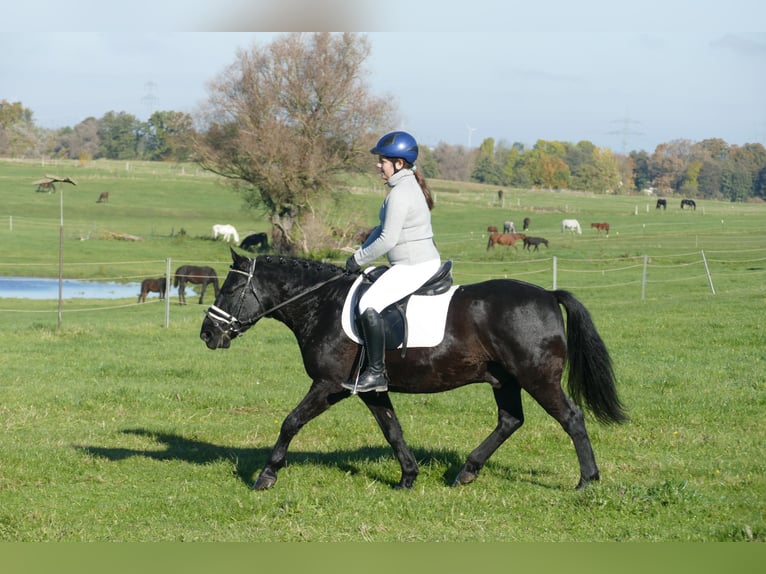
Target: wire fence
638,277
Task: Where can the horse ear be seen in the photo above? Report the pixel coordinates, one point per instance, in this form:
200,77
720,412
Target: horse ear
236,257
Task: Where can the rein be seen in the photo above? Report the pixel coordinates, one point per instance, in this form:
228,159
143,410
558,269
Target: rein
218,315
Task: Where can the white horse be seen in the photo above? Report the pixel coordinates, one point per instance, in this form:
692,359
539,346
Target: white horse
571,225
228,232
509,227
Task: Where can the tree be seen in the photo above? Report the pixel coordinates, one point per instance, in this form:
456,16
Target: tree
120,136
168,136
284,119
18,135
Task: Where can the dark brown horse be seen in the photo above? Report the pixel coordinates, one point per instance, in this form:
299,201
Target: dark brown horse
534,242
509,239
601,227
509,334
152,286
197,275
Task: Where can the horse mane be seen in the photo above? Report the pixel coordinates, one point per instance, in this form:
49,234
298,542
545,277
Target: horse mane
313,269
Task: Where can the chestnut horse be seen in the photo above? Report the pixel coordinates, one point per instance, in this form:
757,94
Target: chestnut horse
601,226
508,334
509,239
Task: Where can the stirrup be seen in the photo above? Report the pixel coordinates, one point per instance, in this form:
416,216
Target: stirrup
366,383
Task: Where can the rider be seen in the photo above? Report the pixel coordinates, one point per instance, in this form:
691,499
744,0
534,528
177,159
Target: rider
405,237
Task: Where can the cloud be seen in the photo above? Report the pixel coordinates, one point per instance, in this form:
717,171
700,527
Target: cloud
293,16
741,45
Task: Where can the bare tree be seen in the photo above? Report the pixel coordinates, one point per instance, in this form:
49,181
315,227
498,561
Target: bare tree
282,120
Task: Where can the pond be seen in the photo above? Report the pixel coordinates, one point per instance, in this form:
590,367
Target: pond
37,288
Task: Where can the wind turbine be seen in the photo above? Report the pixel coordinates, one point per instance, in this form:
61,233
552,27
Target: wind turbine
470,132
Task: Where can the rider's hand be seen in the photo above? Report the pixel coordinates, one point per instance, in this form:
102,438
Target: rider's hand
352,266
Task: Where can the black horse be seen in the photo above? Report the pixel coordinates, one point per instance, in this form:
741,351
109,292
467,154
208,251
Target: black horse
688,203
534,242
662,204
255,240
193,274
507,333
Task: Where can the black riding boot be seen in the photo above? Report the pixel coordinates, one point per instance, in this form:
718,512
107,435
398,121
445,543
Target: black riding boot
374,376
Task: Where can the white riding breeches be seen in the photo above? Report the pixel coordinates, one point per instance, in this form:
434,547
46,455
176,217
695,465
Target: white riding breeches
396,283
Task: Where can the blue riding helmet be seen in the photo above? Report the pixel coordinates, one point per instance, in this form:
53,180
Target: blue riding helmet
397,145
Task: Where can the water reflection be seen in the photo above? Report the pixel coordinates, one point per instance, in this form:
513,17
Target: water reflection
36,288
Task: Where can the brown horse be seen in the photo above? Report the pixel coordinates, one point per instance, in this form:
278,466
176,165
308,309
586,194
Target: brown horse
192,274
601,226
152,286
509,239
103,198
492,229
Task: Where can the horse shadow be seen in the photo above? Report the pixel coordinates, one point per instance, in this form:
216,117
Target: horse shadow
249,461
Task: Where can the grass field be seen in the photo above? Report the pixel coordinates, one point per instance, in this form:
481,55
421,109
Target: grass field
117,428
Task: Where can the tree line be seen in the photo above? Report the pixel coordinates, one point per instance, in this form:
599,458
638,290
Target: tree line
284,120
710,169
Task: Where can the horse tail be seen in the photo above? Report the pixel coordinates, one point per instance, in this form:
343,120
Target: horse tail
591,376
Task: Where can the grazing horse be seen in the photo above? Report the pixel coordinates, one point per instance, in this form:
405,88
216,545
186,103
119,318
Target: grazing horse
662,203
688,203
509,334
46,186
571,225
103,198
526,223
152,285
197,275
509,239
228,232
259,240
534,241
509,227
492,229
601,226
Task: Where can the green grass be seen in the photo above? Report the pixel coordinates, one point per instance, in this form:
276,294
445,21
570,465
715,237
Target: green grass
117,428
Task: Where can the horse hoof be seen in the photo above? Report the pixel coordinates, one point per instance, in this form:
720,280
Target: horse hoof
264,482
405,484
464,477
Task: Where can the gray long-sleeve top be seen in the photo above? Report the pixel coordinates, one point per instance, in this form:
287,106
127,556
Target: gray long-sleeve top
404,234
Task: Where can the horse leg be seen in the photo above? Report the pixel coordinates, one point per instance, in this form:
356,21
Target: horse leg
182,292
383,411
311,406
202,291
510,417
552,398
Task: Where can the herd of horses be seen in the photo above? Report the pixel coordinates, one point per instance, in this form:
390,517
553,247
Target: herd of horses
199,274
685,203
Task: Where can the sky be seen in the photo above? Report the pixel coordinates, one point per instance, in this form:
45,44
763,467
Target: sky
625,76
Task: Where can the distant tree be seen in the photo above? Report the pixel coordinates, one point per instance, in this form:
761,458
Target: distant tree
120,136
486,168
455,161
736,182
18,135
641,177
169,136
427,162
284,119
81,142
668,165
759,186
546,165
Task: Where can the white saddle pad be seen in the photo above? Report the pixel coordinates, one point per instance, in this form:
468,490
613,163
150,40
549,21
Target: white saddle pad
426,317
